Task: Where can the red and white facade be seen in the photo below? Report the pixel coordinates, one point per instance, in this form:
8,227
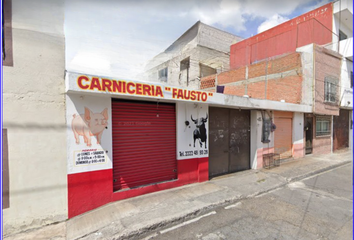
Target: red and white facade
128,138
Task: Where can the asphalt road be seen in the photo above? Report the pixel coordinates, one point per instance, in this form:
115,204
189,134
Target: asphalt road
319,207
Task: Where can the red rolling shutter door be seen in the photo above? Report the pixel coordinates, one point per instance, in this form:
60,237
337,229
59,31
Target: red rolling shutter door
144,143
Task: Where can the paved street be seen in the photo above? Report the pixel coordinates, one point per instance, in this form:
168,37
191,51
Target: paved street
319,207
307,198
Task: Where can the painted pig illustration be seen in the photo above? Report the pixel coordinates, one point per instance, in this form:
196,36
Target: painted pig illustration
89,124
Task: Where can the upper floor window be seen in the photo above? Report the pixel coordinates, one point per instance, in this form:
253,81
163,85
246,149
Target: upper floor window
184,64
163,74
342,36
330,89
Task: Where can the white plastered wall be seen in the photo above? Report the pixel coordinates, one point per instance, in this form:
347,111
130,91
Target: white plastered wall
185,142
346,92
351,130
75,106
298,135
257,146
34,115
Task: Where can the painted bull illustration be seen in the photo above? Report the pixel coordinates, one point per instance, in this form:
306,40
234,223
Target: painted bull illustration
200,131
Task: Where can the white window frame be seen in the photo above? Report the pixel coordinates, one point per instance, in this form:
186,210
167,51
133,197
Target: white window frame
330,89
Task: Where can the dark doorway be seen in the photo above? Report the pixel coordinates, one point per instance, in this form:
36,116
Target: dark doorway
229,144
341,130
309,134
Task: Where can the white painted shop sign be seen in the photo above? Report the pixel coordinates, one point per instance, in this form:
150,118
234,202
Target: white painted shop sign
89,157
86,83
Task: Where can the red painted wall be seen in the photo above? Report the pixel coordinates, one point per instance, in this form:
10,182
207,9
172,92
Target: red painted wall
89,190
312,27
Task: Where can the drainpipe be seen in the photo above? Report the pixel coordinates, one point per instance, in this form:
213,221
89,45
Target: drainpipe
266,81
332,134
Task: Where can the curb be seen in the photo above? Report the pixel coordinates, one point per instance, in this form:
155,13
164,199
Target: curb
188,216
325,169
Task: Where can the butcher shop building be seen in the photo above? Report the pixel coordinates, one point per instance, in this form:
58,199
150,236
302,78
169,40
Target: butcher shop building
127,138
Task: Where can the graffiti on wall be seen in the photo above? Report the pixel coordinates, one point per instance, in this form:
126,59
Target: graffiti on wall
89,124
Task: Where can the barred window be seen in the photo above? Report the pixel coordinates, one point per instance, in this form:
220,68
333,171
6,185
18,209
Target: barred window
163,74
330,89
323,126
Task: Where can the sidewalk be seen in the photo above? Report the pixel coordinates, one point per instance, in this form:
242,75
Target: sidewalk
132,217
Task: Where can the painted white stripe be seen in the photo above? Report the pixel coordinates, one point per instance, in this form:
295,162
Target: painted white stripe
233,205
150,236
186,222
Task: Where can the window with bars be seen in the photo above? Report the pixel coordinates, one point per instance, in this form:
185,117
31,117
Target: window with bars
163,74
323,126
330,89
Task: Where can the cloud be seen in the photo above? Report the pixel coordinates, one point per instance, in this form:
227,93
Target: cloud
117,37
273,21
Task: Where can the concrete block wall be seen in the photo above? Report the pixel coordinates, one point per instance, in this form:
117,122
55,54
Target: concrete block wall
197,55
217,39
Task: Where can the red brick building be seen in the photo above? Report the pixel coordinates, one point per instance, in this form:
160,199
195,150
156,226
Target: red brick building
291,63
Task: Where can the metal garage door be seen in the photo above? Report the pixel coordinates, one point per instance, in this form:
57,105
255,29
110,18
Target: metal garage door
283,134
144,143
229,141
341,130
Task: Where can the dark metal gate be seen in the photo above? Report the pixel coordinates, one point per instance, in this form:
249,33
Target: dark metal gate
341,130
144,143
308,134
229,144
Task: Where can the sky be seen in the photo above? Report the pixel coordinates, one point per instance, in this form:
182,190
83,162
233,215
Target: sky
116,38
